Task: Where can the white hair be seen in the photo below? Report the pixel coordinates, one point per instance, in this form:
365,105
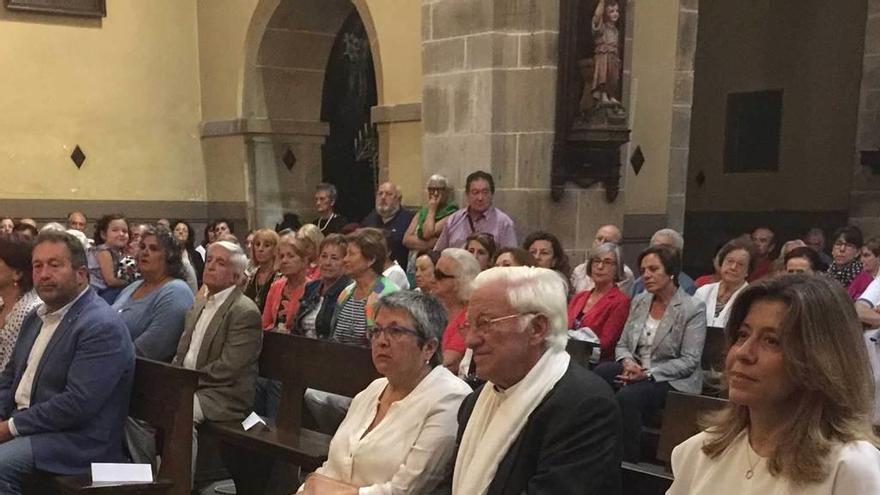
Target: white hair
673,235
236,256
79,236
439,179
53,226
466,270
531,289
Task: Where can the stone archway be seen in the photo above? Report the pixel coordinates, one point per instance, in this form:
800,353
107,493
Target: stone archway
287,50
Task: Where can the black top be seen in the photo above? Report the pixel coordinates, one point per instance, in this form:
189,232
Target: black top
334,226
397,227
570,444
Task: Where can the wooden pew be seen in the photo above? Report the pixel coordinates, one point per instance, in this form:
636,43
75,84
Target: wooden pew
298,363
680,422
580,351
162,395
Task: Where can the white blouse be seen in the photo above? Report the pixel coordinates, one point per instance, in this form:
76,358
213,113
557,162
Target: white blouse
408,452
709,295
855,469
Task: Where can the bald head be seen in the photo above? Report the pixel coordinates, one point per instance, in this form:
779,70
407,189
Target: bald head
607,233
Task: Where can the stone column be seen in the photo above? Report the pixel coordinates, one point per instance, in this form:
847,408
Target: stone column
865,196
489,103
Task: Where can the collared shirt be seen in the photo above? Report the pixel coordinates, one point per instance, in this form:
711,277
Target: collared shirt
211,306
51,320
461,225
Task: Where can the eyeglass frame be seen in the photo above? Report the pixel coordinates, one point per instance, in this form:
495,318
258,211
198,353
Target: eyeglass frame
466,327
373,332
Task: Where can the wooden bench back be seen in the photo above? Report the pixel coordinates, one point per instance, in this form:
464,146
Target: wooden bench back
580,351
162,395
681,420
301,362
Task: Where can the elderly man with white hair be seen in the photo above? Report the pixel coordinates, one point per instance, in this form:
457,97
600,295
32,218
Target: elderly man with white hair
393,219
668,237
222,338
541,424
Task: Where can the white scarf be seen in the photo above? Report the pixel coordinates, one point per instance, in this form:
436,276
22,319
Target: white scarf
496,421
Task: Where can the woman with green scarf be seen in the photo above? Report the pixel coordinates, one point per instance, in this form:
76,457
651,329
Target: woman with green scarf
426,226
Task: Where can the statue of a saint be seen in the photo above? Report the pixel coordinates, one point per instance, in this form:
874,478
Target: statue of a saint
601,73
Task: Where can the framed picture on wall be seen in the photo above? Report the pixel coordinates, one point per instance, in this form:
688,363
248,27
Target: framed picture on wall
79,8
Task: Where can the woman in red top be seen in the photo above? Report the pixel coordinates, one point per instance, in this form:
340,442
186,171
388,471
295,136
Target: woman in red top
282,302
455,271
605,308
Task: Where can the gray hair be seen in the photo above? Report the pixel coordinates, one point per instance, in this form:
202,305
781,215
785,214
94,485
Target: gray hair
606,247
330,189
427,315
53,226
531,289
440,180
673,235
236,256
466,270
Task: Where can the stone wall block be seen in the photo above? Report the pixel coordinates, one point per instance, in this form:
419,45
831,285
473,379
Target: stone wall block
517,203
481,100
687,41
443,56
436,114
503,160
690,4
526,15
427,12
461,17
539,49
535,156
455,156
868,131
681,127
678,170
675,209
524,100
594,211
492,50
684,88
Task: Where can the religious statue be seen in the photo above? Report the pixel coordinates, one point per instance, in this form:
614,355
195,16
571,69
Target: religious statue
600,100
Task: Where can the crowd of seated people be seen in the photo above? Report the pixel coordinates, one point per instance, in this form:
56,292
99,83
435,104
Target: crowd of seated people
478,394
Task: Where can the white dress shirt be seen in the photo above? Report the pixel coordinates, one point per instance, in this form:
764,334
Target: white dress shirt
854,469
195,344
410,449
50,324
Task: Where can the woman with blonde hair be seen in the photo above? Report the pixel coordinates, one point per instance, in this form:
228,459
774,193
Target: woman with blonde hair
263,272
282,302
801,398
313,235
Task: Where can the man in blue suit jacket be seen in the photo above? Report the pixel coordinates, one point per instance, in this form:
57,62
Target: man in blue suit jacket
64,394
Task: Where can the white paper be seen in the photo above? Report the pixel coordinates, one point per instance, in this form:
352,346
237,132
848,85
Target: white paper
121,473
253,420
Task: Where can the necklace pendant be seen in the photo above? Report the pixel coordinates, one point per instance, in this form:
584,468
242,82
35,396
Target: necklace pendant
749,474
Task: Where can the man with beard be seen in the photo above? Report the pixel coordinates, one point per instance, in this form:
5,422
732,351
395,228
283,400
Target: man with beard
64,394
390,217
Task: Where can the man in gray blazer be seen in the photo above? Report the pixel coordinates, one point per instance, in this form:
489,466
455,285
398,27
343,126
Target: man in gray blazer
222,338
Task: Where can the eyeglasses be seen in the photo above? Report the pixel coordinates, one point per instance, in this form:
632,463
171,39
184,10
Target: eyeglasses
394,332
485,325
843,244
440,275
601,262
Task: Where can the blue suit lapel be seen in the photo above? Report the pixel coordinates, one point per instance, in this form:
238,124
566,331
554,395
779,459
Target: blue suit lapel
71,316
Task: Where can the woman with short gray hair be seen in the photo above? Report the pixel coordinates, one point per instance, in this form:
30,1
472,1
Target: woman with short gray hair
604,308
453,277
399,433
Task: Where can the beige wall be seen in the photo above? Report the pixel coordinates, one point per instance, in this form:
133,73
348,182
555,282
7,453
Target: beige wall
126,89
650,103
814,55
